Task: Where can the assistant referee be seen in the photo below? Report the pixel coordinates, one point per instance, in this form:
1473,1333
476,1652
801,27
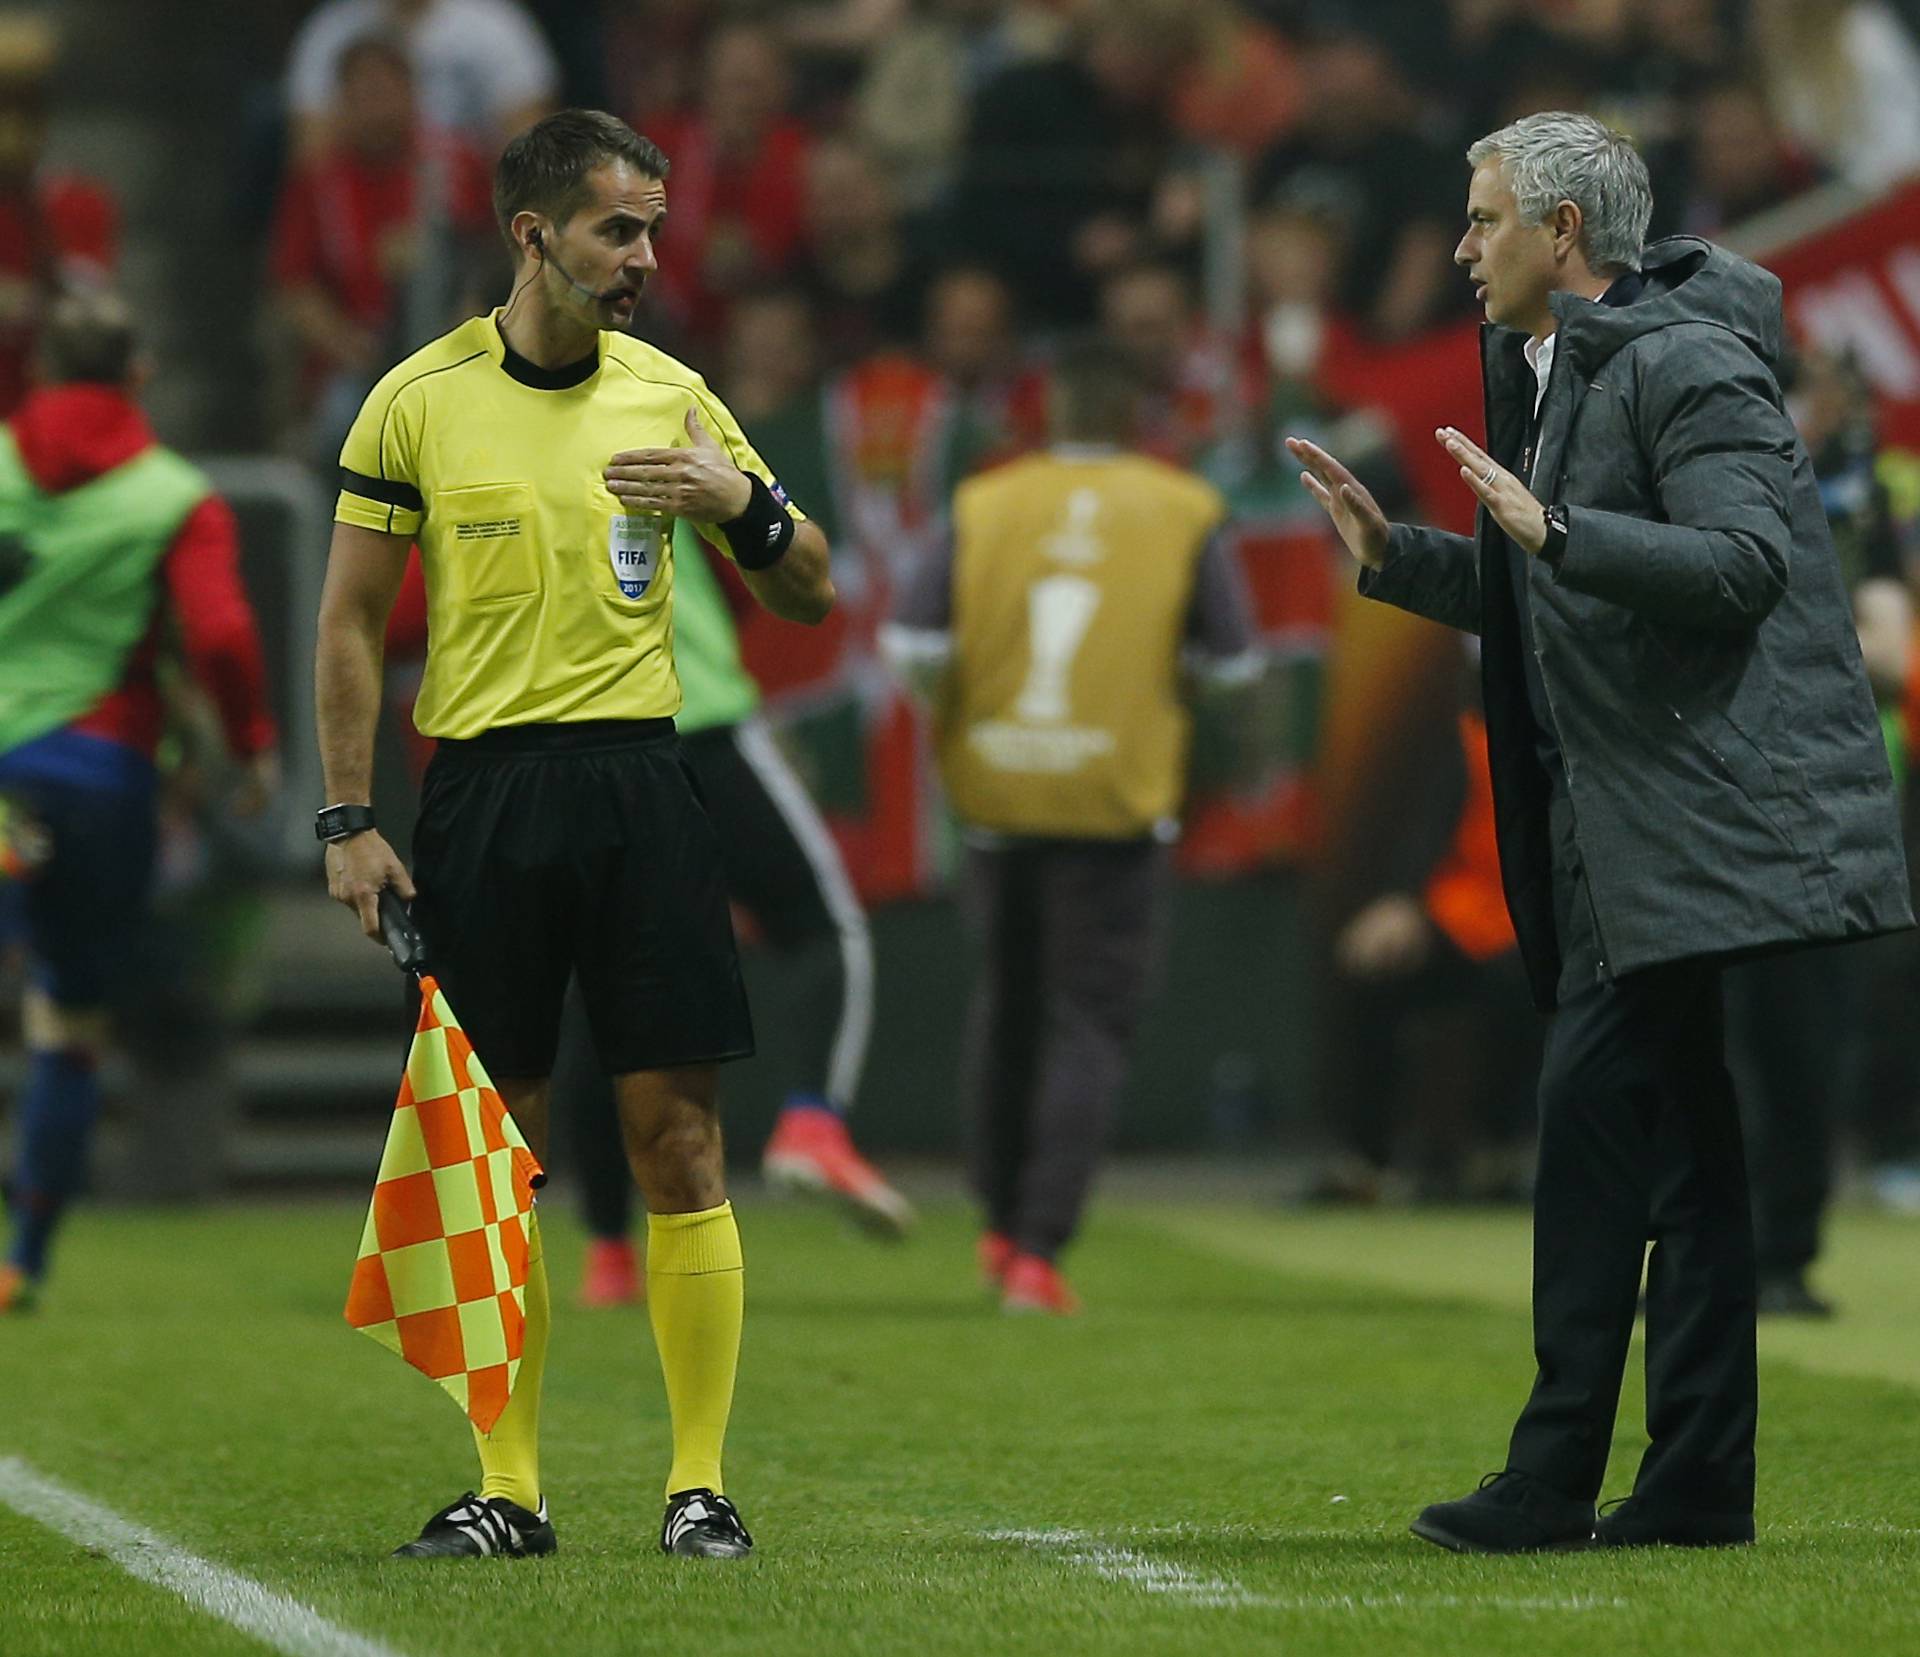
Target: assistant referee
539,457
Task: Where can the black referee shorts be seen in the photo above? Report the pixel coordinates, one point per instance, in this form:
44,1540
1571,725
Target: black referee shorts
549,851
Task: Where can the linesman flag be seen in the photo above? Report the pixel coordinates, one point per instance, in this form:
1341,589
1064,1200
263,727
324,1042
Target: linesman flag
442,1273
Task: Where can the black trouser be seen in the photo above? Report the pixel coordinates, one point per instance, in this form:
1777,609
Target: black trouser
1639,1140
1799,1043
1069,934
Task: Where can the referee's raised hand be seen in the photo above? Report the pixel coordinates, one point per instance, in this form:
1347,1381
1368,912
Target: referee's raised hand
699,482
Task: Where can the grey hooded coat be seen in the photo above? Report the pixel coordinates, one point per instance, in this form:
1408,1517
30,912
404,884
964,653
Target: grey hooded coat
1723,755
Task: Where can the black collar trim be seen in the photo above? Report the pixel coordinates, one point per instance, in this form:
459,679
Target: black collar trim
548,379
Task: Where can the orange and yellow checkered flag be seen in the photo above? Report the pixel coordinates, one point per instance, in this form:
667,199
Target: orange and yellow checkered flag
442,1273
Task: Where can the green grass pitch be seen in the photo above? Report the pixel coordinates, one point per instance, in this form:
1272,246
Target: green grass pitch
1220,1457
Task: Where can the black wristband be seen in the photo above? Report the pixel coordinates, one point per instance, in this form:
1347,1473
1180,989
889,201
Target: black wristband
761,535
341,822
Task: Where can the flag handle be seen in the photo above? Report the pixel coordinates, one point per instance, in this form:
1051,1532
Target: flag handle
402,937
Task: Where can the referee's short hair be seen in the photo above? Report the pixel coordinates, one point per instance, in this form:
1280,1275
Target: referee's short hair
544,170
88,338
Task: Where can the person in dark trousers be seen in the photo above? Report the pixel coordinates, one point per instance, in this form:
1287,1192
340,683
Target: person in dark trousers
1687,767
1054,631
1437,1048
1802,1024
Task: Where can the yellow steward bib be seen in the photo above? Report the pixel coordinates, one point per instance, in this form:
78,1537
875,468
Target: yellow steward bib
1073,576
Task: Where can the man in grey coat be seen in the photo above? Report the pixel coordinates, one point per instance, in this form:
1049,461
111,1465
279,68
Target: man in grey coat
1687,768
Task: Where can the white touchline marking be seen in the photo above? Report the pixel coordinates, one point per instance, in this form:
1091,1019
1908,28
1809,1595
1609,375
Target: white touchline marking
1156,1576
239,1601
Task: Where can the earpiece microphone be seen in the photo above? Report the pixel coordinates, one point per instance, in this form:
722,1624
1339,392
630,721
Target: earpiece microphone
537,242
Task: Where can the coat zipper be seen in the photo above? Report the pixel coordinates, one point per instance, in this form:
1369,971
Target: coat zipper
1566,765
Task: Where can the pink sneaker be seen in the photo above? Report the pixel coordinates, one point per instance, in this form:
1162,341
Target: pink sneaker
995,1252
1035,1285
612,1276
811,1154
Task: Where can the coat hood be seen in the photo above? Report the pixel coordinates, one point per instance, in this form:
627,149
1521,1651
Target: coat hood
71,434
1685,280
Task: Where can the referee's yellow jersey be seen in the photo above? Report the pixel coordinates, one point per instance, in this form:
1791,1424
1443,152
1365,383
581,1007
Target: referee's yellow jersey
547,602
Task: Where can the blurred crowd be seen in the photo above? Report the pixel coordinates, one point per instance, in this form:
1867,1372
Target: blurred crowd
1233,190
885,215
849,154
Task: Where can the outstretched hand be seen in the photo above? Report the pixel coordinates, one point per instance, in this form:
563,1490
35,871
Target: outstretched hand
1346,500
699,481
1509,502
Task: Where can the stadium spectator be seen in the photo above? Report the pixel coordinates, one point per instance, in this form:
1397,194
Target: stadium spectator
484,69
655,49
1739,163
1293,264
1192,395
739,180
995,397
859,266
1357,154
1049,636
1680,498
829,42
912,102
1844,76
770,373
120,549
58,229
379,235
578,36
1062,158
904,428
1804,1024
1438,1071
1242,92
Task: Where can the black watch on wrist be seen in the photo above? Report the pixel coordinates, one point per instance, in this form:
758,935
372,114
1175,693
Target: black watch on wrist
1554,548
341,822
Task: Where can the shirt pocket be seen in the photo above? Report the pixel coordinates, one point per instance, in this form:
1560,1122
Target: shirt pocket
629,554
489,540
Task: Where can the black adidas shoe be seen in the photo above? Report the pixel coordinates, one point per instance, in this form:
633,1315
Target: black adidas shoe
477,1527
701,1525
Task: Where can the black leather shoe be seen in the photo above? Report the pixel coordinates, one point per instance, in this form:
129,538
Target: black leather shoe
1631,1523
1511,1512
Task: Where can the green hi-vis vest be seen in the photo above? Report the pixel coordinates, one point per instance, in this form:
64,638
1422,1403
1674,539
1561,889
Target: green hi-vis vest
76,581
715,688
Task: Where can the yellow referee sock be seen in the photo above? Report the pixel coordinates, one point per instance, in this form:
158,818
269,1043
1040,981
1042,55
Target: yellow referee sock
510,1455
695,1298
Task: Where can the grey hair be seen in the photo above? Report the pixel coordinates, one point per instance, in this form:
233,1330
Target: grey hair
1558,156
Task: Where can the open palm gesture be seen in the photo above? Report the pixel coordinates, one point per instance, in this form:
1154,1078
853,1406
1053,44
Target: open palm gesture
1347,501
